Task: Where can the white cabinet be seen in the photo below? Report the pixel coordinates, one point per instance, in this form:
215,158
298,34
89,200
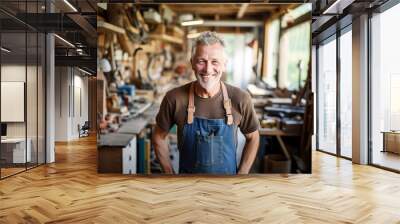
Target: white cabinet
17,147
129,158
117,153
19,154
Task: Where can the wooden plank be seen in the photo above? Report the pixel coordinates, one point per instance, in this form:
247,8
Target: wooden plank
104,26
109,160
132,29
115,139
147,156
151,48
133,126
167,38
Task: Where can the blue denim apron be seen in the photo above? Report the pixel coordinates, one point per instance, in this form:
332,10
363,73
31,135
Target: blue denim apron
209,145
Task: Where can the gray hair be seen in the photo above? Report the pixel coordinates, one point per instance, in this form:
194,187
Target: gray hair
207,38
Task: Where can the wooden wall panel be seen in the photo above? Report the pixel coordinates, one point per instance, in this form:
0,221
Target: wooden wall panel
92,98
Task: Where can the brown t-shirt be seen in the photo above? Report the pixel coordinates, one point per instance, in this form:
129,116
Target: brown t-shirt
173,109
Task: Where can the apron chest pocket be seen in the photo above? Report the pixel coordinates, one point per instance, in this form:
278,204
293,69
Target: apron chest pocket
208,150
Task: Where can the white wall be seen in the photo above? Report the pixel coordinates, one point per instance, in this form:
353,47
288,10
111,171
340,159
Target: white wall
71,94
15,73
82,83
61,103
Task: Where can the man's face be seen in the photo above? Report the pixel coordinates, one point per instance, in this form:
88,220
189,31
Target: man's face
208,64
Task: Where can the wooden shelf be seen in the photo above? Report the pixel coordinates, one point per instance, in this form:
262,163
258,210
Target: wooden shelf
132,29
148,48
167,38
101,25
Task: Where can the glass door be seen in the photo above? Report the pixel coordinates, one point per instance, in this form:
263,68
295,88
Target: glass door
22,88
385,89
14,154
326,93
346,93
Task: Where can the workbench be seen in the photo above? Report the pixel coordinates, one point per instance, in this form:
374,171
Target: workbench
118,152
278,134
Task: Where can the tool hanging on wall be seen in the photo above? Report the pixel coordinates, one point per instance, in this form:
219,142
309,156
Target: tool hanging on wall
155,66
137,19
141,79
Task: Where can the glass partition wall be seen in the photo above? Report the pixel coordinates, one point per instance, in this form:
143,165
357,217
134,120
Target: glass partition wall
385,89
326,136
334,94
22,77
346,95
295,56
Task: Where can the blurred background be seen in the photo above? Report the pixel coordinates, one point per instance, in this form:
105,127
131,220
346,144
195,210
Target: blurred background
144,50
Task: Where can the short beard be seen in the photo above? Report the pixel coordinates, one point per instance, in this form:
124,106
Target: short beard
208,86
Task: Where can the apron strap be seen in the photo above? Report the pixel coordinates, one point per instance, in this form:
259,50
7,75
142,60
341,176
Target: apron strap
227,105
191,109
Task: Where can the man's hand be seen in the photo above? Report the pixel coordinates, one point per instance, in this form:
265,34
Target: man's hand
161,149
249,152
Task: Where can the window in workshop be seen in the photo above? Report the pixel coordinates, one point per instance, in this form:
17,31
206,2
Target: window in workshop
240,60
294,56
294,14
272,48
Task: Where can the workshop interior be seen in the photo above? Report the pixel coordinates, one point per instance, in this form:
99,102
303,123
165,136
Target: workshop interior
322,77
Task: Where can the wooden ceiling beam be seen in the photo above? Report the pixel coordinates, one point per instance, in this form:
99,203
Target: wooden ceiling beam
223,9
242,10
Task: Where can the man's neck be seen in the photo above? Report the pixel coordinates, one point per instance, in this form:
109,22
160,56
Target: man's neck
203,93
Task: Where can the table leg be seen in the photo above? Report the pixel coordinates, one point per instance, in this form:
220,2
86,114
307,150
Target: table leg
284,149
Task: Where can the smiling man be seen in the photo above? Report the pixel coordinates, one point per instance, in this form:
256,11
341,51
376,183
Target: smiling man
208,113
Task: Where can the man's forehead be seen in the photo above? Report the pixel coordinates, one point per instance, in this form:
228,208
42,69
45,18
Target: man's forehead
214,49
210,46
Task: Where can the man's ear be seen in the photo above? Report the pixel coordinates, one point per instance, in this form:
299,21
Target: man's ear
191,62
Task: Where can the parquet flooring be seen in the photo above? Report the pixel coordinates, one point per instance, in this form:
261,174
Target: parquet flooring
10,171
386,159
71,191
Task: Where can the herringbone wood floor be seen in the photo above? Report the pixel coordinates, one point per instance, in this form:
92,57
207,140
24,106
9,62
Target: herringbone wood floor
71,191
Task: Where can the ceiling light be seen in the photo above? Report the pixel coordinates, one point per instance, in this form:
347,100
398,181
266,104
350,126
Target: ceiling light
70,5
65,41
192,22
5,49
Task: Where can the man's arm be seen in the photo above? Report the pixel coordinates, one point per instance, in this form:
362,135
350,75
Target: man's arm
161,149
249,152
